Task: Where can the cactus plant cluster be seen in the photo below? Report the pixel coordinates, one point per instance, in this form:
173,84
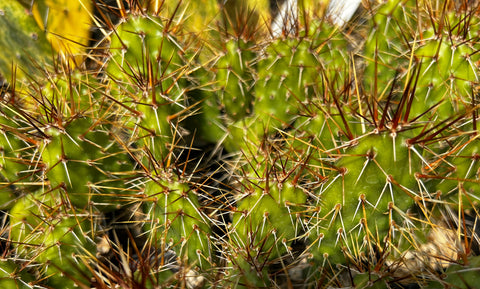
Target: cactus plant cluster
228,155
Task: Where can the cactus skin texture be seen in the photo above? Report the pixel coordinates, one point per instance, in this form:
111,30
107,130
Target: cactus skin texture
449,69
462,172
148,62
234,78
364,179
71,155
79,150
246,162
175,221
14,276
387,45
266,220
21,41
285,75
16,157
50,234
288,73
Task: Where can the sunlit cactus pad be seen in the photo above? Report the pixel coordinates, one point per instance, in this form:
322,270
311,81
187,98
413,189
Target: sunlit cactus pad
205,145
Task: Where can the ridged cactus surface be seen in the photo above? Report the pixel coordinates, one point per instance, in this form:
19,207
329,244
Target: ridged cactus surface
22,41
202,154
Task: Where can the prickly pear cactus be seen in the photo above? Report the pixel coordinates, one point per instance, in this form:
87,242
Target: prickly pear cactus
286,75
50,233
79,152
82,160
387,47
235,78
186,158
461,172
266,219
177,222
289,73
148,62
448,73
17,154
366,196
13,275
21,41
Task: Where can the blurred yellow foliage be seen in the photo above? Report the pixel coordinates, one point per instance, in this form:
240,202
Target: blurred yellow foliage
199,16
66,23
241,17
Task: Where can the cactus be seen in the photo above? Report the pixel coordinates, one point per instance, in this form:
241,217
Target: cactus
285,75
459,275
289,72
176,221
244,17
22,41
234,79
266,220
387,48
448,73
461,171
148,62
17,162
14,276
72,154
251,162
380,193
46,231
78,147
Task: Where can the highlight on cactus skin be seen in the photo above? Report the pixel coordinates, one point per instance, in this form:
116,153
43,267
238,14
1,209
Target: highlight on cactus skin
206,144
22,40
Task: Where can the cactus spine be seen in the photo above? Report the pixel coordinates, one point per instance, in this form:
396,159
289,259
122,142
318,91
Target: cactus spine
191,159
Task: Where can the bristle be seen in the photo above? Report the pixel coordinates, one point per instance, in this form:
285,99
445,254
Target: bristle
206,144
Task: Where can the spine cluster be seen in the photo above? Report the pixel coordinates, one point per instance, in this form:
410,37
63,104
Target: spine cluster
326,156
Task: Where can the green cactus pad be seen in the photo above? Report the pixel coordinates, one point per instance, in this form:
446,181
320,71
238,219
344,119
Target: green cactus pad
175,221
45,230
266,207
367,194
235,78
17,162
148,71
266,222
14,276
144,50
84,159
448,71
461,171
285,79
22,42
387,48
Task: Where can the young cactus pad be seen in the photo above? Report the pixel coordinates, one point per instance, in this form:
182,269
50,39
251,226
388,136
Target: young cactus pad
87,163
366,195
46,231
176,221
147,62
21,41
221,155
